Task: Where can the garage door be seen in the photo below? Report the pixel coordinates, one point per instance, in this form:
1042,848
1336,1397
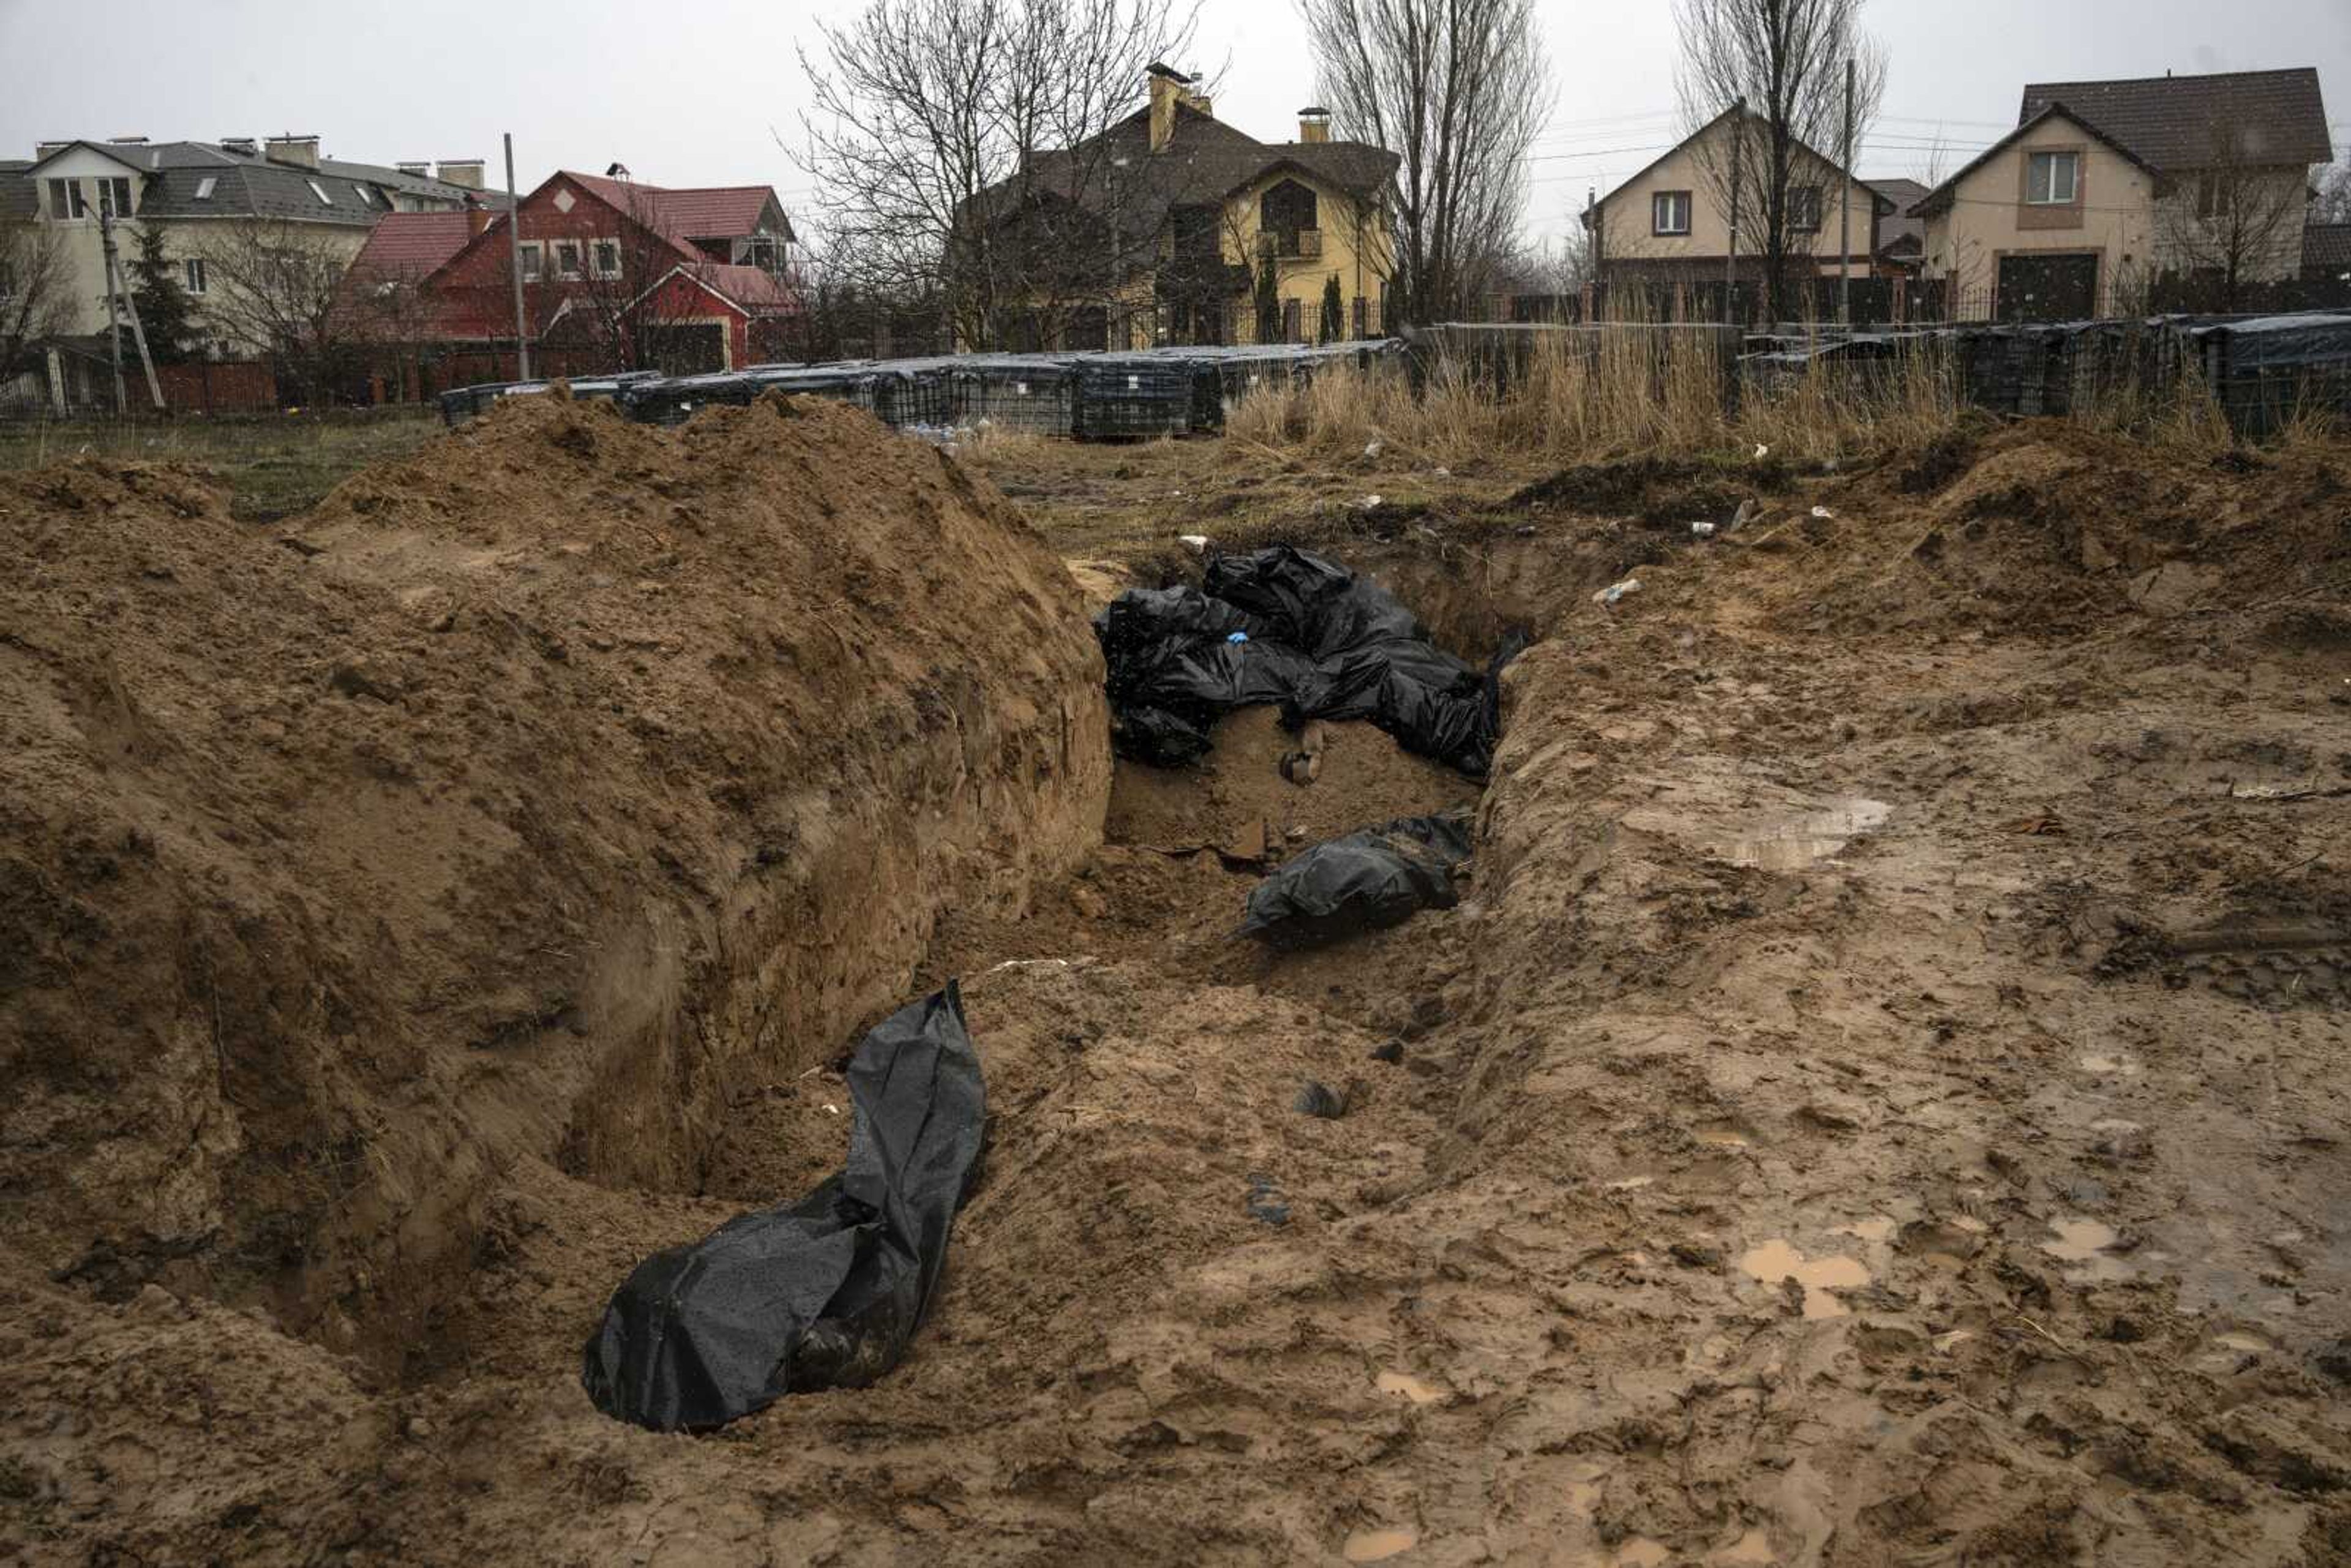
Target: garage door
2048,287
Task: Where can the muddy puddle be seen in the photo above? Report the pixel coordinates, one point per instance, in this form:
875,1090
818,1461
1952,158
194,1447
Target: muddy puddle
1776,1261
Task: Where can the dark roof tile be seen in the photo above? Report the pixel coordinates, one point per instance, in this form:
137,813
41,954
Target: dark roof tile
2172,121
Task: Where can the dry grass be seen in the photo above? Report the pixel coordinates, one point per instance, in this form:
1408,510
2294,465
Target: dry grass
275,464
1639,387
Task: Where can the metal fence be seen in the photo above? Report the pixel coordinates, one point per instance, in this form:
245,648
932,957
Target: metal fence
1095,396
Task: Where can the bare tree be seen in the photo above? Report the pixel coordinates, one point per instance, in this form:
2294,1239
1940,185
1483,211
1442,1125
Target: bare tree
962,143
2236,221
277,288
1459,90
2332,202
35,294
1786,58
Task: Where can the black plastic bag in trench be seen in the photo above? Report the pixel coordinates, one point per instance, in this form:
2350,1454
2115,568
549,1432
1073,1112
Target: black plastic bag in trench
1380,876
1283,626
824,1292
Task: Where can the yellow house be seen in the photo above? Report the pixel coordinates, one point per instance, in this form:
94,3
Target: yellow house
1671,224
1173,227
2106,187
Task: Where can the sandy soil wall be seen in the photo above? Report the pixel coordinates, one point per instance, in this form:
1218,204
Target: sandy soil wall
523,800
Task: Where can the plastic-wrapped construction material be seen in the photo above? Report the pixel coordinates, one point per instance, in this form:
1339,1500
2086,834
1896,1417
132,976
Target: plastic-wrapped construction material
824,1292
1378,877
1322,643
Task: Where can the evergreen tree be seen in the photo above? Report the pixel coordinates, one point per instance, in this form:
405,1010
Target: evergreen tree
165,311
1334,310
1268,297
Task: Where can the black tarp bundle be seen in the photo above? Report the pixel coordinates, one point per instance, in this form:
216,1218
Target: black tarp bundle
1380,876
1283,626
824,1292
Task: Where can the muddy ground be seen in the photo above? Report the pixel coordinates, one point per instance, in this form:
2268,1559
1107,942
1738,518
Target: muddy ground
1879,1100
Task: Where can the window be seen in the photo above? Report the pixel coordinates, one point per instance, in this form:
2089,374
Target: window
1669,213
114,197
367,198
320,192
530,261
192,269
204,187
2051,179
759,251
1805,209
606,257
566,259
1287,213
67,201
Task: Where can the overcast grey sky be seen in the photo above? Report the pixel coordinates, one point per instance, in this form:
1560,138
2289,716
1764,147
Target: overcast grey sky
686,91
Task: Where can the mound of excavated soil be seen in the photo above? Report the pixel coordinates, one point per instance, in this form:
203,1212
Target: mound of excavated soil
527,800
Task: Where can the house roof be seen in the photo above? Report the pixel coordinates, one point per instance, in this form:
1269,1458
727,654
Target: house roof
690,213
1901,227
19,197
1203,162
2327,246
2171,121
252,184
1941,196
1638,174
411,245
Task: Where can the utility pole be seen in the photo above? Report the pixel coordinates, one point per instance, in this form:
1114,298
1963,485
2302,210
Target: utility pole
131,307
1845,212
1730,252
1592,249
514,265
114,322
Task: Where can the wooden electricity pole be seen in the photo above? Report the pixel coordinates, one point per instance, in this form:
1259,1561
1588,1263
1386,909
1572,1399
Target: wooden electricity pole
514,263
1845,212
1730,251
113,328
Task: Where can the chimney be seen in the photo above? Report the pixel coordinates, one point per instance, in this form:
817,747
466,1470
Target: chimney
43,149
478,218
243,144
289,147
1313,124
420,168
465,172
127,140
1169,88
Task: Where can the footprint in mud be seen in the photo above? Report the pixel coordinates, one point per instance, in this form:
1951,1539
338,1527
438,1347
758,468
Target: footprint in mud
1776,1261
1945,1243
1725,1134
2110,1066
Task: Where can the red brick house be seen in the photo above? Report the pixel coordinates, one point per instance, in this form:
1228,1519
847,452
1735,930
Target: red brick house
616,276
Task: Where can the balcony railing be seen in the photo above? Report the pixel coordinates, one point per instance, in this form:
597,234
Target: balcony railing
1304,245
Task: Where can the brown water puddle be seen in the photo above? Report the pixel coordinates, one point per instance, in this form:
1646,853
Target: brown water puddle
1411,1387
2084,1243
1794,842
1776,1260
1378,1545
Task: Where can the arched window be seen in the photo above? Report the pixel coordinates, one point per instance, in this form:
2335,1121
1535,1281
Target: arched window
1285,211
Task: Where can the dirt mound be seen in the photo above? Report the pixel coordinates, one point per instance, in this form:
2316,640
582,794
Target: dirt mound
523,800
2052,530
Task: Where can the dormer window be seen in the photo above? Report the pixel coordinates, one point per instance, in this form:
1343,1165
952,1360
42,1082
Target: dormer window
114,197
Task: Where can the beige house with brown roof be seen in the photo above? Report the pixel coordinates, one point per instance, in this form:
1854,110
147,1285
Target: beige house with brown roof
1671,222
2106,187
